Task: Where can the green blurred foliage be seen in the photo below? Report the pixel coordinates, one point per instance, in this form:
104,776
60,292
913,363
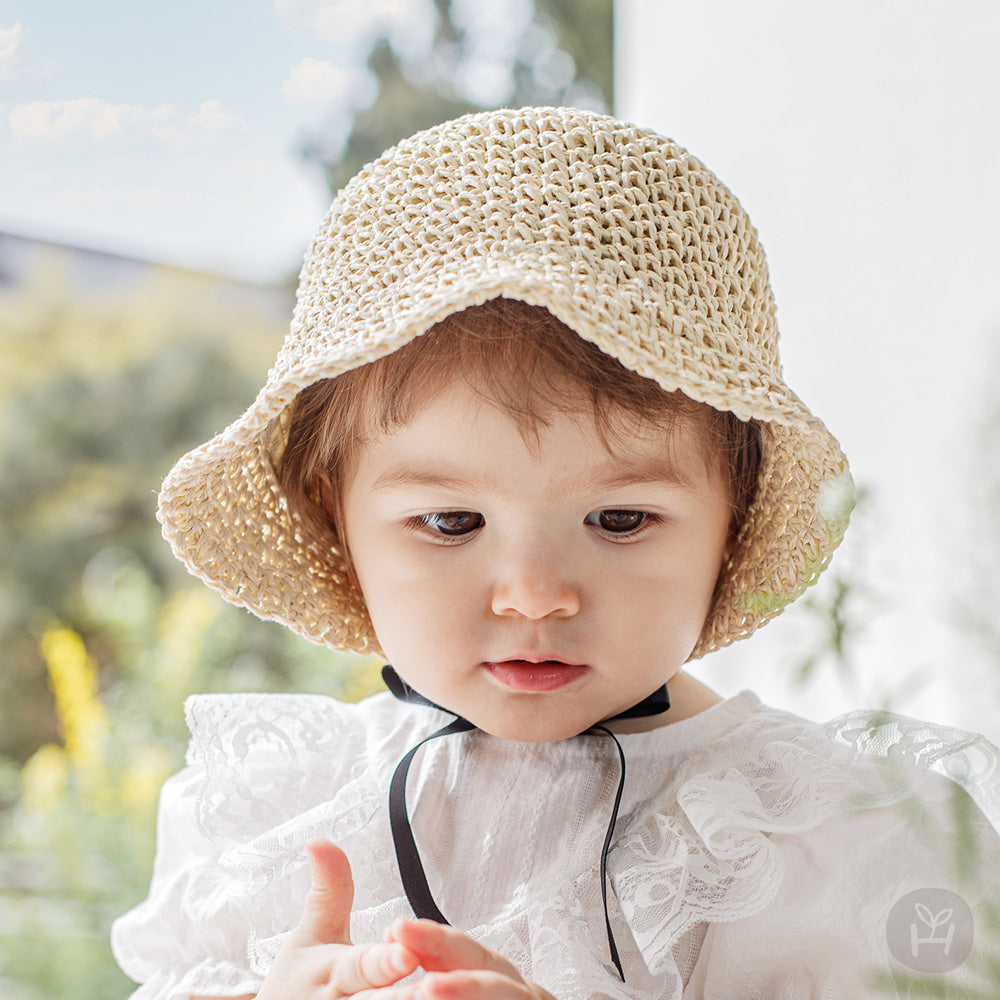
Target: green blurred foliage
100,393
77,843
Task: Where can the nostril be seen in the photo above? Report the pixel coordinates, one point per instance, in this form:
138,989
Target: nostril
536,600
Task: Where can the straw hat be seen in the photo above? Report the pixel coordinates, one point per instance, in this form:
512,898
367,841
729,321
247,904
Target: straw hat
623,236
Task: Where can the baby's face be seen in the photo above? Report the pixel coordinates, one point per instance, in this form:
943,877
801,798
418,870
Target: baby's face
534,588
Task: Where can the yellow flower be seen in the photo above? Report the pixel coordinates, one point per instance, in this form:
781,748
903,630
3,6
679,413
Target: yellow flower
73,678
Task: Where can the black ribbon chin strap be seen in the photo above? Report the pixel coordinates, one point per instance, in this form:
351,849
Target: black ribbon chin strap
411,870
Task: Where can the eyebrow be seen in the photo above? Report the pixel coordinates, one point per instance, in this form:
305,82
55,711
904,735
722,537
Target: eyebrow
410,475
651,471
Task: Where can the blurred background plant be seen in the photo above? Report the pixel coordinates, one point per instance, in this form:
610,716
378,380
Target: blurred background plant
112,369
103,635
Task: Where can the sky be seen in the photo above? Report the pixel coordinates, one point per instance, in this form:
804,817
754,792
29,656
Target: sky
171,131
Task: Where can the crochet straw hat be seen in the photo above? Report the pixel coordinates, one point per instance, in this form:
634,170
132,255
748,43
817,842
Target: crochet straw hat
622,235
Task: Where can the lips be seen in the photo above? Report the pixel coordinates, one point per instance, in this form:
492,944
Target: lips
534,674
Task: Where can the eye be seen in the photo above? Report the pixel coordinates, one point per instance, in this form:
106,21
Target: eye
621,522
452,522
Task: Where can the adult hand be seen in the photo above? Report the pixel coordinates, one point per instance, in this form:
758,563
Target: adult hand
318,961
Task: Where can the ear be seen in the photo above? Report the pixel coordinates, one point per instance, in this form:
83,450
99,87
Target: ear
323,486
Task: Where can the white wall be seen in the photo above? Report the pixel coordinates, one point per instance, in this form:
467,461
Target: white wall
863,137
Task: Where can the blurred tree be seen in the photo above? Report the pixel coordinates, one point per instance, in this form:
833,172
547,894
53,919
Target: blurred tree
99,397
561,53
103,633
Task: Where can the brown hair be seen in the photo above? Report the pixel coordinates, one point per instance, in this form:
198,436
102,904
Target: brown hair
521,359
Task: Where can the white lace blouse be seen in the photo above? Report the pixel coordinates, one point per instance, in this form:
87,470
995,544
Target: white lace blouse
756,855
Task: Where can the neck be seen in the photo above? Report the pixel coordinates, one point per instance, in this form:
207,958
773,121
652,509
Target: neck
688,698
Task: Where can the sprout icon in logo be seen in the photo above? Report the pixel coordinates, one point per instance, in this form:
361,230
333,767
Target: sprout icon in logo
930,930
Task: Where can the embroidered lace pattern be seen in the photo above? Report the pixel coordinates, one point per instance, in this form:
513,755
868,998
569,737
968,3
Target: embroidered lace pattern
714,832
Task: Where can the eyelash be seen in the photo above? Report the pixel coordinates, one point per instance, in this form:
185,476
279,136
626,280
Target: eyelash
426,523
646,521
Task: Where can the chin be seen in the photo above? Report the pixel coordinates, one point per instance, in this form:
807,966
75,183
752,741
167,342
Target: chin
541,730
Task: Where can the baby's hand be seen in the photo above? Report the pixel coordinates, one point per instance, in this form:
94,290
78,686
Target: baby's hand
318,961
458,968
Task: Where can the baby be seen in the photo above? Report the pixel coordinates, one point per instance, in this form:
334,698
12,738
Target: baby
529,440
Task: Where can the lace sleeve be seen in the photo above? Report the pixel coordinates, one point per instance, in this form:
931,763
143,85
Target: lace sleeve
919,825
185,939
968,759
265,773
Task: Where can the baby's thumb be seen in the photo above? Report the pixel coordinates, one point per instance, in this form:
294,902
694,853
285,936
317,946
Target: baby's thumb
326,918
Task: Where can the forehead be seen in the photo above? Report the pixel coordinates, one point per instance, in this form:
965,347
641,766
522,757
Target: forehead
457,432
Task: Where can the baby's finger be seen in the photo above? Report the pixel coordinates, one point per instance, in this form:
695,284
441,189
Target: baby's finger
326,918
371,966
404,991
477,985
443,949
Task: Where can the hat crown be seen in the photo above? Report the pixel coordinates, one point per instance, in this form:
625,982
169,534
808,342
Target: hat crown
576,199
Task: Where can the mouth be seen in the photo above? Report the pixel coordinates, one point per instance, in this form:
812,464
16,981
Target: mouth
534,674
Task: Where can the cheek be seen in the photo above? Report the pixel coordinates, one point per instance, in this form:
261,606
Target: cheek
674,586
414,600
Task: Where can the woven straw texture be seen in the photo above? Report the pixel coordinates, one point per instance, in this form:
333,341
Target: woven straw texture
622,235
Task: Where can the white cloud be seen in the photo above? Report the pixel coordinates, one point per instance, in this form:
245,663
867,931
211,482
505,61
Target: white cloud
317,80
55,121
212,121
11,37
96,119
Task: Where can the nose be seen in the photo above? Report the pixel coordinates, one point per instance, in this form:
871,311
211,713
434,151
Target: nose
535,585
